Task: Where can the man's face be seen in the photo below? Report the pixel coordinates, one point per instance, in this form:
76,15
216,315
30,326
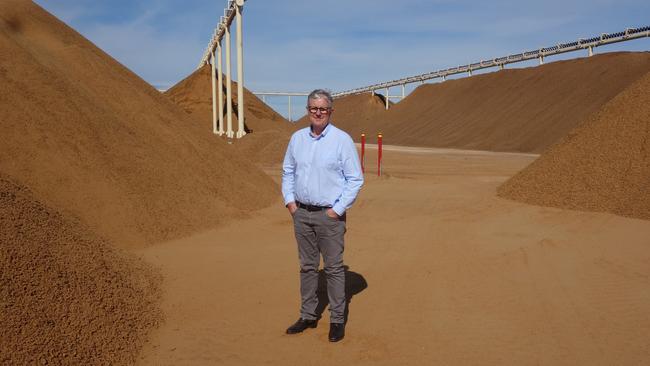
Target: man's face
319,112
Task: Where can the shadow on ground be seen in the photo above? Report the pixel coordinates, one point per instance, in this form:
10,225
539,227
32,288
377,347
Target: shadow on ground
354,284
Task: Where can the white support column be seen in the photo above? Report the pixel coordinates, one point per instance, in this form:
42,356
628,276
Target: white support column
470,72
591,51
444,77
229,132
386,97
214,93
290,120
220,131
240,74
403,93
541,59
502,66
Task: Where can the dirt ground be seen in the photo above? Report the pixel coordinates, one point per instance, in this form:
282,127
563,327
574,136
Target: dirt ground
441,271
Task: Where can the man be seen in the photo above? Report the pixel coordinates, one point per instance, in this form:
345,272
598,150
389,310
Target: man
321,177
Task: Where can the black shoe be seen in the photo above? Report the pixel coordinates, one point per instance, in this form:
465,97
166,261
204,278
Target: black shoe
301,325
337,332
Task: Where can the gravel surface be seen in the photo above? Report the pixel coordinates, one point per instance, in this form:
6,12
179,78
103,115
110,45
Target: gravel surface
602,165
67,296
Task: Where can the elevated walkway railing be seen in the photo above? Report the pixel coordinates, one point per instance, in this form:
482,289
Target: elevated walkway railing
581,44
281,94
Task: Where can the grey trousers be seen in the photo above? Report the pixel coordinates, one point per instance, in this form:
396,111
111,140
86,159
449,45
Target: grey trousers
318,234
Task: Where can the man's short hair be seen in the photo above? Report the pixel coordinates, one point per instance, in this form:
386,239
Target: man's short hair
320,94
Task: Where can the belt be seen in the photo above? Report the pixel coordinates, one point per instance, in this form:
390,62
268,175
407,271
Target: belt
311,207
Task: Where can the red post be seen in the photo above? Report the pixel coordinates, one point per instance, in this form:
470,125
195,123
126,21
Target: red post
363,152
379,137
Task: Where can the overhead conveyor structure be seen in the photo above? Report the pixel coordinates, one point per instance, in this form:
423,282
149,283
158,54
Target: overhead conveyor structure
582,44
233,11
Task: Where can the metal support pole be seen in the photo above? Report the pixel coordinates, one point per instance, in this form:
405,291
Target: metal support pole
290,120
591,51
386,97
403,92
214,93
541,59
220,131
240,74
229,132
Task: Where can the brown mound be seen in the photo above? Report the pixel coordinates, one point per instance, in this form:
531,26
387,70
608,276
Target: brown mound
264,148
269,132
89,137
520,110
67,297
602,165
194,95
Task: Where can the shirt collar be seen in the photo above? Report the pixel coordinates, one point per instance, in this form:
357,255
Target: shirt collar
322,134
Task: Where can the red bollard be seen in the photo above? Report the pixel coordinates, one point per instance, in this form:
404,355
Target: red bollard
379,136
363,152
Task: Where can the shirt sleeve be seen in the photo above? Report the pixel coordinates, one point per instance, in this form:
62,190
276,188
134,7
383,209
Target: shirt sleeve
288,174
352,174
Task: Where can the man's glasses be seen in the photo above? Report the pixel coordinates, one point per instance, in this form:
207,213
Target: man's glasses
322,110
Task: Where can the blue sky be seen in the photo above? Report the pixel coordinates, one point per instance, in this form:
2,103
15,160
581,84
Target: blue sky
339,45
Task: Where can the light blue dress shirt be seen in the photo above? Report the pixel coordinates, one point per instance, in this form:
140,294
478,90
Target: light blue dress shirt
322,170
